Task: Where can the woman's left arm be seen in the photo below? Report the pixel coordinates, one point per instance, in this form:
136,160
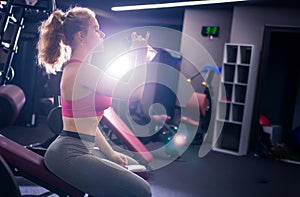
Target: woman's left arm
105,147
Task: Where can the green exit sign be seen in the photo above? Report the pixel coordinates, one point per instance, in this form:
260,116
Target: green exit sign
210,31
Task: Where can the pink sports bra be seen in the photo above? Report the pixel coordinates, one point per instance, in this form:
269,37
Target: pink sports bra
89,106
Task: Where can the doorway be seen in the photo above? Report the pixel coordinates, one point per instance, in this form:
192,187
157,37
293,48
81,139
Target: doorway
278,86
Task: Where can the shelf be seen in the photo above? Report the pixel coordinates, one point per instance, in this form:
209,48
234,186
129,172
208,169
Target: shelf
232,107
241,84
231,53
237,113
240,93
225,115
227,95
242,74
245,54
229,138
228,72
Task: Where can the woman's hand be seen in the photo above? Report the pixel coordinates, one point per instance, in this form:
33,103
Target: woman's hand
145,52
119,158
137,41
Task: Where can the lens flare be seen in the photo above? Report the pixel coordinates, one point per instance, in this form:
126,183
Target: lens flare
179,139
120,66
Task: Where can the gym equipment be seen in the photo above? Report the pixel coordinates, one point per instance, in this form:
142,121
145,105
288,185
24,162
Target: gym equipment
122,131
264,121
55,124
196,105
9,186
201,102
195,113
12,99
10,27
30,165
11,23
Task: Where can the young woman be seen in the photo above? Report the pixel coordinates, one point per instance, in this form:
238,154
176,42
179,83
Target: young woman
72,155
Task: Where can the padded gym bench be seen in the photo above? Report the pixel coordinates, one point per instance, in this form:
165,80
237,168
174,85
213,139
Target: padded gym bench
30,165
12,99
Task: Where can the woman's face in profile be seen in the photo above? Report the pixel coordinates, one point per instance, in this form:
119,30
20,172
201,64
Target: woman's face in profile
94,35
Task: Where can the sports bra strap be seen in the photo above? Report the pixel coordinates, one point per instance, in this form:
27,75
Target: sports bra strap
73,61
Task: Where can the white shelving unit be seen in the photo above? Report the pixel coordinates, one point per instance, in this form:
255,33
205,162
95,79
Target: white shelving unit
231,106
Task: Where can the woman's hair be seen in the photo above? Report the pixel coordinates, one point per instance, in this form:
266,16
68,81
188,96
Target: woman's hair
57,35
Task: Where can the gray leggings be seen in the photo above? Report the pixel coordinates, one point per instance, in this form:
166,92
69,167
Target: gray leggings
76,162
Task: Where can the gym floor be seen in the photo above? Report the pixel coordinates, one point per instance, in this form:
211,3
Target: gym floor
216,174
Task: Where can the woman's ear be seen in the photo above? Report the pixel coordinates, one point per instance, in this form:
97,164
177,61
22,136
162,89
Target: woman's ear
79,36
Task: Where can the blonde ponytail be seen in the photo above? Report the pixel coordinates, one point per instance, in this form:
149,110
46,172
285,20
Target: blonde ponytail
51,50
57,36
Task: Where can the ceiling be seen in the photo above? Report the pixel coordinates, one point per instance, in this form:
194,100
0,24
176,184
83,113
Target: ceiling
171,17
107,4
103,7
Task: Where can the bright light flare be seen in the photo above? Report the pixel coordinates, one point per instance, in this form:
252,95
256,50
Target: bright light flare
179,139
120,66
127,62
